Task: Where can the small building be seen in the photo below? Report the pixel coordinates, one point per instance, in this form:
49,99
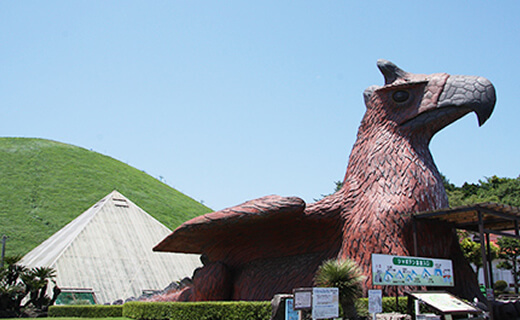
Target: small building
107,250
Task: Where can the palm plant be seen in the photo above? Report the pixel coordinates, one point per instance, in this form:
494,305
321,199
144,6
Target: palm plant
345,275
12,291
36,281
17,281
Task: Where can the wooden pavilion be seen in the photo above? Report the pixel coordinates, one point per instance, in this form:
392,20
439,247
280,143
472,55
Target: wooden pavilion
483,219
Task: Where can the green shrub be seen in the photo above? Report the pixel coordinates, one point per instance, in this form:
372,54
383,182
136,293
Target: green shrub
238,310
501,286
17,282
92,311
346,275
388,305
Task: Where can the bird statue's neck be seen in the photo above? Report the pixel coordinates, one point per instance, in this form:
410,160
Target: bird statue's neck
391,170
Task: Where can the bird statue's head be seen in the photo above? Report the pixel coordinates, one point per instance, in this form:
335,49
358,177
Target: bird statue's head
421,104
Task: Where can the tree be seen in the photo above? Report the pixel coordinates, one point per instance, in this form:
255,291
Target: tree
509,252
347,277
338,185
472,252
492,189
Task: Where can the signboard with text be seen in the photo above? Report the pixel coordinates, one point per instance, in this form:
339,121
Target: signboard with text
375,301
302,298
388,270
325,303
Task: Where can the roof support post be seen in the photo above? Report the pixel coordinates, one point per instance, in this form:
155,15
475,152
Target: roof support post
489,260
515,276
414,227
484,262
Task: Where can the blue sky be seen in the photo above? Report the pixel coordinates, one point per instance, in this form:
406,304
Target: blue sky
233,100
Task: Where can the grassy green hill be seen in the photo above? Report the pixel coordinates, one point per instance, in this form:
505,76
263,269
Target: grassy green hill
45,184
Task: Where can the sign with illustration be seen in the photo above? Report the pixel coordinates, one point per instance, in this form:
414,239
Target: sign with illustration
388,270
290,313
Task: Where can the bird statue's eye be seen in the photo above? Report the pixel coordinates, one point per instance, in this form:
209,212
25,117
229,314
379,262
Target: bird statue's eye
400,96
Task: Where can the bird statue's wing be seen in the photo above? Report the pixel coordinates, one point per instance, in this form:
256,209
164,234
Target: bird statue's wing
197,234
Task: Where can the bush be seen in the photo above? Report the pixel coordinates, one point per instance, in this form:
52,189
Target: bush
388,305
92,311
346,275
239,310
18,282
501,286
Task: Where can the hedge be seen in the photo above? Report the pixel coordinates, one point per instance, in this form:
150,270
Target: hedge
90,311
388,305
213,310
237,310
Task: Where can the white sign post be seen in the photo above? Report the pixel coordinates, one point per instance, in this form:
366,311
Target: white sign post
325,303
375,302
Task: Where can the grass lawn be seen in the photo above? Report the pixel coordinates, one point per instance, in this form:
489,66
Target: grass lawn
46,184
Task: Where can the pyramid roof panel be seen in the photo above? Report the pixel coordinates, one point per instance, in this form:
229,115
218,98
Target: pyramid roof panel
109,248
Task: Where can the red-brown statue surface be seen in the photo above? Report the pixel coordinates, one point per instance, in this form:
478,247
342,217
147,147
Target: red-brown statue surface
274,244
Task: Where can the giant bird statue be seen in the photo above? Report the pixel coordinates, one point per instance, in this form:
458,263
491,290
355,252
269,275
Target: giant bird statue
274,244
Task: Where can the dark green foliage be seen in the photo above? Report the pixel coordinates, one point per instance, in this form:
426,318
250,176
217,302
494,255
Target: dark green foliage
17,282
472,251
492,189
199,310
447,184
36,281
238,310
389,305
12,290
347,277
509,252
45,184
500,286
338,184
342,274
99,311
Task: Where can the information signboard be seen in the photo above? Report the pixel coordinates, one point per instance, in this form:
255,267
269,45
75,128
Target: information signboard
444,302
375,301
388,270
302,298
290,313
325,303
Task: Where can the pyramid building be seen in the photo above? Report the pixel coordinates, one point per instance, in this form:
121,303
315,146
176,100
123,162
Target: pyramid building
107,250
